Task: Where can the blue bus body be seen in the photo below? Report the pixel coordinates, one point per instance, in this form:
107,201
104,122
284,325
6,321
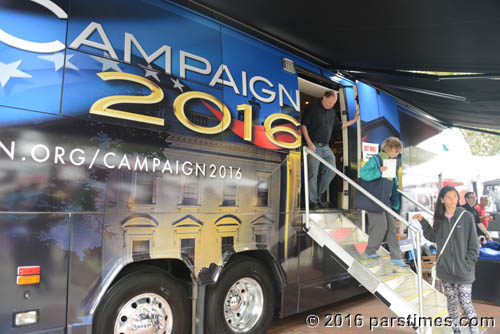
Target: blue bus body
143,132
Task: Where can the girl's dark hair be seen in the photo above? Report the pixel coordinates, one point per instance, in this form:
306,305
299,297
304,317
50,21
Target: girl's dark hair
440,208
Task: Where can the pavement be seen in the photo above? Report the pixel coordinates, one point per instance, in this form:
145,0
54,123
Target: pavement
353,316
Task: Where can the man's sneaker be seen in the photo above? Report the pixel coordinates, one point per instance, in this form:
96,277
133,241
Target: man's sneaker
313,206
399,263
370,256
323,205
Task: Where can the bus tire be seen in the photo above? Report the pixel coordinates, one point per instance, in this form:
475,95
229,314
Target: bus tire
242,301
148,294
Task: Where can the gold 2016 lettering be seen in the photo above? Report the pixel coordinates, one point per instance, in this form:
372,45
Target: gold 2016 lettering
102,107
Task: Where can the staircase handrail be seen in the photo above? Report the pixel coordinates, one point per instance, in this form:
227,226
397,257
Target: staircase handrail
307,151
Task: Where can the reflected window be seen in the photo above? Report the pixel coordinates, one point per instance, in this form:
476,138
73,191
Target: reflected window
140,250
188,249
198,119
190,191
241,115
227,244
261,239
144,188
229,193
263,190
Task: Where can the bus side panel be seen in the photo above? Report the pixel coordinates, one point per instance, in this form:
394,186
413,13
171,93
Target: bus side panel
85,267
34,240
33,70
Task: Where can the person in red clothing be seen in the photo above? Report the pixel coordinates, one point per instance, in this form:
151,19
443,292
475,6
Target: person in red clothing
481,209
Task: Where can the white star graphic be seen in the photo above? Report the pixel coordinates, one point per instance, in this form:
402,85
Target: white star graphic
8,71
177,84
108,64
58,60
151,73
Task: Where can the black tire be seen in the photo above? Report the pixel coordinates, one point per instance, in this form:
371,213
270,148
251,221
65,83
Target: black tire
238,271
128,288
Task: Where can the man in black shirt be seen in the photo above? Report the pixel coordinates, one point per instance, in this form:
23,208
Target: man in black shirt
470,199
317,125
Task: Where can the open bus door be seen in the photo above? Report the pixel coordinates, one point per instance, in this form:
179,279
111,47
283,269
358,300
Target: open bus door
344,196
311,92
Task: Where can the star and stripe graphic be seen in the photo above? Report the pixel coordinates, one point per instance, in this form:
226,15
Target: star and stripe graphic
8,71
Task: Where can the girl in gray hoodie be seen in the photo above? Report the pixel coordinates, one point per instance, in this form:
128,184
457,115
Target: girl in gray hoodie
456,266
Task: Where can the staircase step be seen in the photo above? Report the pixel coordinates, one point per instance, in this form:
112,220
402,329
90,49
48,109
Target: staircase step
383,267
355,251
346,236
402,281
340,234
356,236
330,220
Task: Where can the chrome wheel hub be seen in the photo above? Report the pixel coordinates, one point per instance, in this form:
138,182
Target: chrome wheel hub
147,313
243,305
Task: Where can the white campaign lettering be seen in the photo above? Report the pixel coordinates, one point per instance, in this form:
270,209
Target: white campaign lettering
10,153
244,87
58,155
38,47
54,8
167,167
167,50
200,169
296,104
190,169
183,66
272,95
45,150
142,165
76,156
156,163
124,162
81,159
189,62
217,78
105,160
87,32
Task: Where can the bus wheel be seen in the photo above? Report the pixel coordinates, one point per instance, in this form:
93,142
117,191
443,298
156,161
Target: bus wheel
145,302
242,301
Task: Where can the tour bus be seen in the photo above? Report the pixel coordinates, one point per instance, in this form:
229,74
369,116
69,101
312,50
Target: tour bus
152,181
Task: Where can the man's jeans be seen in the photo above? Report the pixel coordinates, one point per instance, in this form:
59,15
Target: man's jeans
326,175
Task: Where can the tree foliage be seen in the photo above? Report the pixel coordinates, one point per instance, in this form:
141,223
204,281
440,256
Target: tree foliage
483,144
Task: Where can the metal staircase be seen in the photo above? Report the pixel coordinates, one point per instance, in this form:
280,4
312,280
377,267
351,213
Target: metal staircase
398,287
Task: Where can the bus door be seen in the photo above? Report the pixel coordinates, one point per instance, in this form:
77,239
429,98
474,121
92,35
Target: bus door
312,92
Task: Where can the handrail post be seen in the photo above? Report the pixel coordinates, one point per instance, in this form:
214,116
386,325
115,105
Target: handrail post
306,187
419,274
363,221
